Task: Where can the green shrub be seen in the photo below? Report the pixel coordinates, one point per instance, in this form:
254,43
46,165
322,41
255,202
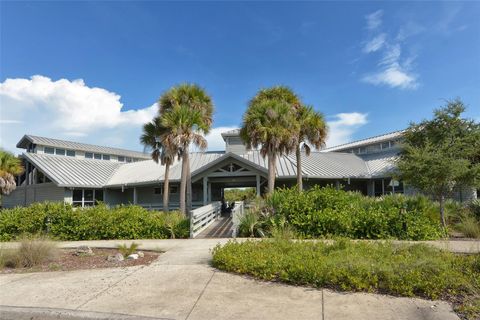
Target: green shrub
406,270
327,212
94,223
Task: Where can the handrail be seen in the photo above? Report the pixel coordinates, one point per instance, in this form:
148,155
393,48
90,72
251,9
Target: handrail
237,214
203,217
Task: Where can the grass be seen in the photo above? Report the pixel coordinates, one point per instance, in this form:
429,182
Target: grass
469,226
30,253
403,270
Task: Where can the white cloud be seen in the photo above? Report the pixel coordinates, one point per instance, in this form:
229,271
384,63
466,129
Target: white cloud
343,126
215,140
391,70
375,44
374,19
64,109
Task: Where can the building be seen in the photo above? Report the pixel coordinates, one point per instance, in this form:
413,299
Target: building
82,174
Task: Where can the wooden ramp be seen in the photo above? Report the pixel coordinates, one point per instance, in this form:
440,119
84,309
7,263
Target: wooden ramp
221,228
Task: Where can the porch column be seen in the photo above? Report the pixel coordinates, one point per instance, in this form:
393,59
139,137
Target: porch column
371,188
205,191
209,188
134,195
337,184
258,185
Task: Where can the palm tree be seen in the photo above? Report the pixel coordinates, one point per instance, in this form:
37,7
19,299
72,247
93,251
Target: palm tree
270,125
312,130
187,112
160,141
10,166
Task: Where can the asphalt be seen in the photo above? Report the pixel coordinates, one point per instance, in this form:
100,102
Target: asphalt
182,285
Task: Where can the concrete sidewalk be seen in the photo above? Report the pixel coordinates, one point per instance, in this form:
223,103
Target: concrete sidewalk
182,285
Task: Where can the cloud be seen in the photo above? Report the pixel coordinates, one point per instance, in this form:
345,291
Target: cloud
375,44
374,19
391,70
215,140
64,109
343,126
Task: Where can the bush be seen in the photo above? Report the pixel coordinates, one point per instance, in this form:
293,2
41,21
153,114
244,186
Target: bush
327,212
63,222
406,270
31,253
469,226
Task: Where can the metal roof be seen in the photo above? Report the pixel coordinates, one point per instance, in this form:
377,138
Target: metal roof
23,143
74,172
381,164
359,143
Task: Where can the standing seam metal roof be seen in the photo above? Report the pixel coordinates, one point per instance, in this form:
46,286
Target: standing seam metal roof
80,146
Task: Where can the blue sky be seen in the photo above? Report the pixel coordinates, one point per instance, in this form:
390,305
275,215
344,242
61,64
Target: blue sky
91,71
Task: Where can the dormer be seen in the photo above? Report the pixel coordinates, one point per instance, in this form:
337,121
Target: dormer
233,142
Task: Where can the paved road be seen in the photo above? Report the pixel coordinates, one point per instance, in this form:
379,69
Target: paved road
182,285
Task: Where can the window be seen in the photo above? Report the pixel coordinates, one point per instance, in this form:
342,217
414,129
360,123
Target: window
158,190
88,155
98,196
86,197
362,150
385,145
77,198
49,150
173,189
97,156
129,159
71,153
106,157
60,152
121,159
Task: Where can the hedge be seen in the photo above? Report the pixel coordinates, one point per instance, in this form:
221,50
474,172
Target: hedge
63,222
327,212
407,270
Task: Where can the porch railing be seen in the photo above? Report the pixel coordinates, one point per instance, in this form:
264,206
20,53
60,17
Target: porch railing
237,214
203,217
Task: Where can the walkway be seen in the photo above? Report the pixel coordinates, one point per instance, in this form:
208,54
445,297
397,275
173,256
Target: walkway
182,285
222,228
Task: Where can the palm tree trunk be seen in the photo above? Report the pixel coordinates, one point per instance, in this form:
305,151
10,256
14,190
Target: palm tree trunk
166,187
299,169
183,182
271,171
189,187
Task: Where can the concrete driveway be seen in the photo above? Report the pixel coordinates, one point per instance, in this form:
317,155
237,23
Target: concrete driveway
182,285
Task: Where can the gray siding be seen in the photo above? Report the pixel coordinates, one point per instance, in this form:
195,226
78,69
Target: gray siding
34,193
235,145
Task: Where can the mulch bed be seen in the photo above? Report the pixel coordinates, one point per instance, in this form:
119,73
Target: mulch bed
67,260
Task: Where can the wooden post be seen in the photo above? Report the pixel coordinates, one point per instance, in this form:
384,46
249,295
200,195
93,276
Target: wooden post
205,191
134,195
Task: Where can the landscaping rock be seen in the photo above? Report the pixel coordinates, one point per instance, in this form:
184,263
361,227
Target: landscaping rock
84,251
116,258
133,256
140,254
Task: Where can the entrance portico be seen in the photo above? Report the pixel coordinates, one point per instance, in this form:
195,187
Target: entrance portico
229,171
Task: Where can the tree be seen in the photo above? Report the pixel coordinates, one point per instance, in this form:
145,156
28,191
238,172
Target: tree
10,166
269,124
441,154
187,111
160,141
312,130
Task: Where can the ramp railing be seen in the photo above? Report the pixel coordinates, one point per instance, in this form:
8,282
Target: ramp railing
201,218
237,214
